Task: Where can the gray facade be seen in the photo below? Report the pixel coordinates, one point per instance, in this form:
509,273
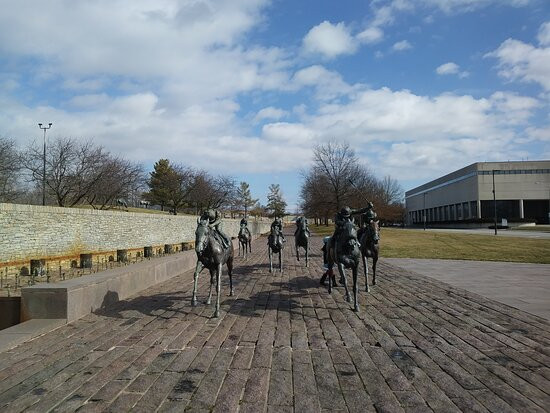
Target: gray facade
522,191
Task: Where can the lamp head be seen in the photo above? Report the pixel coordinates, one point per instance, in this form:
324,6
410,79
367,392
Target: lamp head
50,124
39,125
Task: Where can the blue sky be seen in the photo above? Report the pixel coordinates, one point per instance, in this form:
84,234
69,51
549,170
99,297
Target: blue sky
248,87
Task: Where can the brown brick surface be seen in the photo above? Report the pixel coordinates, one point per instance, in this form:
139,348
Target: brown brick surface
282,343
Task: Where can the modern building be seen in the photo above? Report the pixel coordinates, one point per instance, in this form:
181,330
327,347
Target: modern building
522,193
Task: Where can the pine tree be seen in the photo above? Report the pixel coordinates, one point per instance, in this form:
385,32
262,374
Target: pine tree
244,198
275,201
160,183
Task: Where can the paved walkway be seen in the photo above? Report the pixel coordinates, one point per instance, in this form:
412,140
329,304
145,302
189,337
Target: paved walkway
283,344
523,286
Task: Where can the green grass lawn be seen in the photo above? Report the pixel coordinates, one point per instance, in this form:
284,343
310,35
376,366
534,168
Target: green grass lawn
399,243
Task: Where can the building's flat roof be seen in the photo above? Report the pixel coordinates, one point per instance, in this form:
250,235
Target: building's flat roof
480,166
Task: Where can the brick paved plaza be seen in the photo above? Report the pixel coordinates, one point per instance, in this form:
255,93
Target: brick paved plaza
283,344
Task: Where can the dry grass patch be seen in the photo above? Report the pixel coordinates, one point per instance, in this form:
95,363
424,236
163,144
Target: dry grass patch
406,243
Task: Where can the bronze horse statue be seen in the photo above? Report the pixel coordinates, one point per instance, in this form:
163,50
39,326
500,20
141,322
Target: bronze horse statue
211,255
369,237
344,252
275,245
301,238
245,241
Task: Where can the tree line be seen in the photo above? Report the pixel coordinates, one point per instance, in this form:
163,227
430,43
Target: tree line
82,173
337,179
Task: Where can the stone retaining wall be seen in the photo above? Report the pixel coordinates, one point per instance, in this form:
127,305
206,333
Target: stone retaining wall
35,232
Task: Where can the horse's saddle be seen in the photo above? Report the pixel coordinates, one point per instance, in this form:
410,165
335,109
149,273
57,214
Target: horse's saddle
275,239
244,230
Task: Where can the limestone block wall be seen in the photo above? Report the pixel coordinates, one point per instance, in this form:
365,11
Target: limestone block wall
31,232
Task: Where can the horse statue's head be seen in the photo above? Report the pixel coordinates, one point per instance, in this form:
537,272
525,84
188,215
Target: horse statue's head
348,234
373,233
302,224
201,235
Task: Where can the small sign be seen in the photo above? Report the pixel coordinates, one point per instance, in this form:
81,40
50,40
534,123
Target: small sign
504,222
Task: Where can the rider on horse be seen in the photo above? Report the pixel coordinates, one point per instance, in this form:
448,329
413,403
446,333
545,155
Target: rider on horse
214,221
277,228
368,218
299,223
244,226
340,219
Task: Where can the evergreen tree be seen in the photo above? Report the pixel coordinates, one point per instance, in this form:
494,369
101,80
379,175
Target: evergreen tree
160,183
275,201
244,198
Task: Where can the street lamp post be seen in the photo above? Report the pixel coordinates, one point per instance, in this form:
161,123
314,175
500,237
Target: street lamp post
44,128
495,201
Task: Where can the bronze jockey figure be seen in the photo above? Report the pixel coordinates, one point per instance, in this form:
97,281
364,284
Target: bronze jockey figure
214,221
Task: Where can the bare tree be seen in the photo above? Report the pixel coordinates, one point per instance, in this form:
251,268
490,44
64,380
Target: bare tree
213,192
339,165
390,191
9,170
120,178
72,168
337,179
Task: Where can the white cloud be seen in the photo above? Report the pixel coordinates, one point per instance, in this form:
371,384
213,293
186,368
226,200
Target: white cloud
385,11
371,35
447,69
189,49
539,134
544,34
270,113
524,62
426,134
151,80
328,84
451,68
402,45
462,6
329,40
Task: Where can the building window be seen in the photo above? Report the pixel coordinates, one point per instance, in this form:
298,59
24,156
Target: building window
473,209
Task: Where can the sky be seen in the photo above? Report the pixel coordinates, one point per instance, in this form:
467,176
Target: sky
247,88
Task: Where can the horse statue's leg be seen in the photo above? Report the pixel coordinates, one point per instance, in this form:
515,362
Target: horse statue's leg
239,246
281,260
307,252
374,261
342,271
355,270
198,270
229,264
218,290
270,259
212,276
366,270
297,251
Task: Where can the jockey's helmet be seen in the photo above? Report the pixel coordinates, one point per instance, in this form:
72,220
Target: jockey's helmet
211,215
345,212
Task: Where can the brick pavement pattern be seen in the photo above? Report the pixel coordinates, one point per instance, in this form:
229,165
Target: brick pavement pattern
283,344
